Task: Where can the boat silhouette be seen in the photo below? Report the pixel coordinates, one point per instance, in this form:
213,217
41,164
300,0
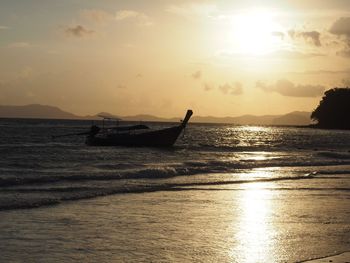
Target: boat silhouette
134,135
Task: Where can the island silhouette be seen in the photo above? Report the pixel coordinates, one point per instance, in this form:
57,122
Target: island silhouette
334,110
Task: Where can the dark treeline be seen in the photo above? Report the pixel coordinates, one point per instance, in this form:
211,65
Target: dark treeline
333,112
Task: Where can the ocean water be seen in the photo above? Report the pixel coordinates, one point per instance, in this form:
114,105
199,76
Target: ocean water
266,194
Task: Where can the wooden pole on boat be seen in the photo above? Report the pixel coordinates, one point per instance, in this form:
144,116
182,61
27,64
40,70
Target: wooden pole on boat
187,118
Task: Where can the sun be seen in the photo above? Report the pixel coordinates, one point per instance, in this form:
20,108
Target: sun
256,32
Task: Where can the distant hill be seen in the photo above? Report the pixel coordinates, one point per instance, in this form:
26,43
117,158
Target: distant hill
256,120
242,120
35,111
293,118
50,112
139,117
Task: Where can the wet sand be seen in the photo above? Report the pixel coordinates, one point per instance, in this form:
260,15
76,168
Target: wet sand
341,258
288,221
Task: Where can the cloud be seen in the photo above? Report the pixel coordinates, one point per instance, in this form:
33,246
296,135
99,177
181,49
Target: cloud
97,16
346,82
293,54
341,27
192,9
78,31
141,18
312,37
277,54
287,88
207,87
232,89
124,14
121,86
19,45
197,74
278,34
291,33
4,27
101,17
345,52
320,72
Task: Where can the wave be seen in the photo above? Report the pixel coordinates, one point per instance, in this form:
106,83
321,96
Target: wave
335,155
231,148
39,192
62,194
99,172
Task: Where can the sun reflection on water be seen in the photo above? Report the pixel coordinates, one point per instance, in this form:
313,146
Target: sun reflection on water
255,128
255,235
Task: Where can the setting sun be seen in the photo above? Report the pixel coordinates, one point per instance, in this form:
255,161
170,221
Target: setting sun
254,32
162,58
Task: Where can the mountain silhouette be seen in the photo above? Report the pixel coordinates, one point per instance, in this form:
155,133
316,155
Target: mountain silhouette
49,112
35,111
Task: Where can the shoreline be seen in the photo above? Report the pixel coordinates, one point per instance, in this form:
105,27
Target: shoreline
342,257
262,222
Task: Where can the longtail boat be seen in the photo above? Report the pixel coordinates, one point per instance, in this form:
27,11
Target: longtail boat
135,135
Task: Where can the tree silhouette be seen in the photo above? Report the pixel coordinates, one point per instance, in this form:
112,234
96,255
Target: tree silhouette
333,112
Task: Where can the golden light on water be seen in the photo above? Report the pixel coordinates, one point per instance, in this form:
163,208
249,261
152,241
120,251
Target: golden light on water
255,234
255,128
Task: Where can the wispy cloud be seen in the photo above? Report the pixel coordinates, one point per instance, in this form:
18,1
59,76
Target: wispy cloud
278,34
124,14
197,74
345,52
121,86
293,54
140,18
346,82
287,88
4,27
232,89
312,37
78,31
320,72
341,29
96,15
192,9
208,87
277,54
19,45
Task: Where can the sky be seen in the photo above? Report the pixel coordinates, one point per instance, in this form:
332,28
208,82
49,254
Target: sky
161,57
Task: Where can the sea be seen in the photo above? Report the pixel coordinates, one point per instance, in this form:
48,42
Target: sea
222,193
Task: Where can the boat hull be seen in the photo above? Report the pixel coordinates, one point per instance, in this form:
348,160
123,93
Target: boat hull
160,138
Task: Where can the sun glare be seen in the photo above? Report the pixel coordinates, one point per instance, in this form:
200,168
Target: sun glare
255,33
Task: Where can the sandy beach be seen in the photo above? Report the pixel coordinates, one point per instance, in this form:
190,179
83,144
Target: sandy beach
253,222
340,258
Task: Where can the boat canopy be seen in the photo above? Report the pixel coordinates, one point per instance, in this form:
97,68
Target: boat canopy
130,128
